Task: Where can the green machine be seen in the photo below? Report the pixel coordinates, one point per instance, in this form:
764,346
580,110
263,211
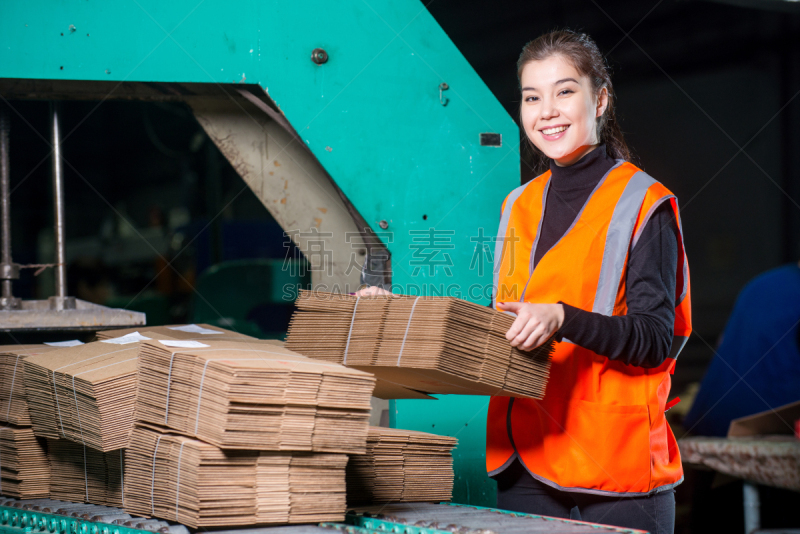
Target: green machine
358,124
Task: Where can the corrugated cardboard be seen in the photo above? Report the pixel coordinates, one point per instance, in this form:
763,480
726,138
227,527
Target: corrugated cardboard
778,421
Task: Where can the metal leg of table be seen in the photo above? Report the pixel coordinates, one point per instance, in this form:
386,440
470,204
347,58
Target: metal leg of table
752,507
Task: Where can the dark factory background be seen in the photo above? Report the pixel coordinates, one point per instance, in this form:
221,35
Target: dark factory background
706,98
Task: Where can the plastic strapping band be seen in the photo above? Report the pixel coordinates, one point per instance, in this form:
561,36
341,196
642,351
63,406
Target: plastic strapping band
80,426
75,392
58,405
55,387
200,397
352,320
8,412
85,475
153,478
406,334
205,368
1,466
122,475
178,482
169,383
11,391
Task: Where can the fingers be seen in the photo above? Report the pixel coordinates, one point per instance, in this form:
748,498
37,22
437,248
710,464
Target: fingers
522,328
532,326
516,327
533,330
528,331
537,337
513,307
371,290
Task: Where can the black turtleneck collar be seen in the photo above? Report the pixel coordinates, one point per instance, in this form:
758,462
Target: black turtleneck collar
584,173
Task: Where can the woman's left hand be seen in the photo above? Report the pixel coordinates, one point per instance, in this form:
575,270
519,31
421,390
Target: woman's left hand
535,323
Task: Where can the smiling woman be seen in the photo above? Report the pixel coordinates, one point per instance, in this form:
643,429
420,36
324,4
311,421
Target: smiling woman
567,100
593,254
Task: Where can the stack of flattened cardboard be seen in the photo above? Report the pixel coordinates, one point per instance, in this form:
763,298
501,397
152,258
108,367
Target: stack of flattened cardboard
82,474
82,399
253,396
422,344
24,466
179,331
178,478
13,404
322,331
85,393
402,466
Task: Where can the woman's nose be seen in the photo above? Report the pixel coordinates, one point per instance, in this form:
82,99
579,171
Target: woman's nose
549,110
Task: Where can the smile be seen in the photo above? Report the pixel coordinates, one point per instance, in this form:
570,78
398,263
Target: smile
554,130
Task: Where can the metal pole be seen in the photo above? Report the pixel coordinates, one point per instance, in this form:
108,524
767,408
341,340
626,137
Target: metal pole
58,201
8,271
5,201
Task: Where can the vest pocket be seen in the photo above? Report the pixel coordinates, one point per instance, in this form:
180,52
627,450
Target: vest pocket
610,446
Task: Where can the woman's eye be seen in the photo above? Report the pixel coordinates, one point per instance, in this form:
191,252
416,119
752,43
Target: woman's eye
566,91
531,98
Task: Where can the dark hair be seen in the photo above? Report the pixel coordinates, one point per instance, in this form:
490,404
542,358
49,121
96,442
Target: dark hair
584,55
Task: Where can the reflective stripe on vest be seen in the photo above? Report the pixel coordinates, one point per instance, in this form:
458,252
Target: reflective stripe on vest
618,239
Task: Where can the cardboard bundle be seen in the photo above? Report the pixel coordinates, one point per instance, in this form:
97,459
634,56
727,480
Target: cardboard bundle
178,331
13,404
23,464
82,474
402,466
422,344
526,371
322,331
86,393
181,479
253,396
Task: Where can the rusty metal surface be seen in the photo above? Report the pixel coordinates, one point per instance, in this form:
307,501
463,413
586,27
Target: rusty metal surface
769,460
37,315
290,182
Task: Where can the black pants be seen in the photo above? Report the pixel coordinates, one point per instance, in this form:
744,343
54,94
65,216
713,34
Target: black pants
518,491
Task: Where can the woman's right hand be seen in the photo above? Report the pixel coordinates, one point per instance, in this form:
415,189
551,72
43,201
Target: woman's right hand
371,290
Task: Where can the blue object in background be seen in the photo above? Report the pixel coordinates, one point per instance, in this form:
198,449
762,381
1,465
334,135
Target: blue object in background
757,365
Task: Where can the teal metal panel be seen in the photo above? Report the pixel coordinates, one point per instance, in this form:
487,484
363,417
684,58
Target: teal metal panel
462,417
373,115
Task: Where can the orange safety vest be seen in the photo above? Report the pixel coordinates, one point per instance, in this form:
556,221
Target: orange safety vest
600,427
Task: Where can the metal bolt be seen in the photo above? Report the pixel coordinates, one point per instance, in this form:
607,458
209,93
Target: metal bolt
383,224
443,87
319,56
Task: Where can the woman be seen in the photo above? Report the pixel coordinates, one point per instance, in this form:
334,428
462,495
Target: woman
598,261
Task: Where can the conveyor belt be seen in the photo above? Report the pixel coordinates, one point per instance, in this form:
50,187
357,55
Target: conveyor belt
461,519
46,516
61,517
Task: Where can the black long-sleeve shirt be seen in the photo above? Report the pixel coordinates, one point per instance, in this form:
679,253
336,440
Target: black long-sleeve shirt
643,336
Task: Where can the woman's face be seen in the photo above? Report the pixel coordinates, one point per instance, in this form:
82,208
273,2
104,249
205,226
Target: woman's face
559,109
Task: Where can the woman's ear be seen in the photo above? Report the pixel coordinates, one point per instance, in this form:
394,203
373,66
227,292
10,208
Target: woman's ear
602,102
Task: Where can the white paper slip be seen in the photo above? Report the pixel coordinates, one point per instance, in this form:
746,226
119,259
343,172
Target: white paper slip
194,329
71,343
133,337
183,344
